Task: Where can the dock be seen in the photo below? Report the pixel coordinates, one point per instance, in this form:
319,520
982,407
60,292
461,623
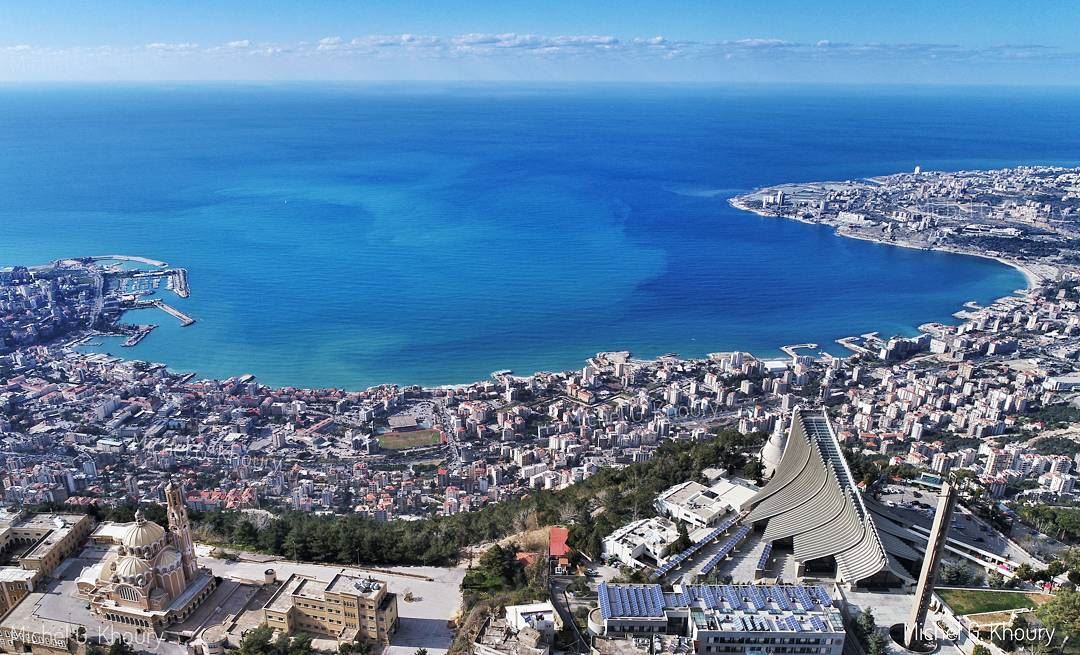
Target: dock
140,333
791,351
178,282
184,319
851,343
130,258
175,278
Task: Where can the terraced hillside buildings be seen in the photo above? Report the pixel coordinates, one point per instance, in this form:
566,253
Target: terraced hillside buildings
82,429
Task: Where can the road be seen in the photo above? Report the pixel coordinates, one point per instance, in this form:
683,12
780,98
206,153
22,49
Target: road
557,589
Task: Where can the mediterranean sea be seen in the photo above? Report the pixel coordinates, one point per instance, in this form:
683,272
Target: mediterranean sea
346,235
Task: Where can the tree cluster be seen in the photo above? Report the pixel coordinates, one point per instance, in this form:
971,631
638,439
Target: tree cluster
865,628
593,509
263,641
956,574
1060,521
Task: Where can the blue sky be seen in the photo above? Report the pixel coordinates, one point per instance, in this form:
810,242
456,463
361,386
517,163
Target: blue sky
917,41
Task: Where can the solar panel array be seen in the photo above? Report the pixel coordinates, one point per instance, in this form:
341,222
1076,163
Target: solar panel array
764,559
725,549
749,607
630,600
779,597
753,624
757,597
733,598
675,561
803,596
823,595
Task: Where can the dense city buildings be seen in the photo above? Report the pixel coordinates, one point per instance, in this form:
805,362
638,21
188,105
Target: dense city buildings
967,401
1027,215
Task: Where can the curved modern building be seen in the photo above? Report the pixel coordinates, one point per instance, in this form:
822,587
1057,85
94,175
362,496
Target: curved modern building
812,503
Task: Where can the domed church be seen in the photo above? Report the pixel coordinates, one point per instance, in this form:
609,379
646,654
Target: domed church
150,579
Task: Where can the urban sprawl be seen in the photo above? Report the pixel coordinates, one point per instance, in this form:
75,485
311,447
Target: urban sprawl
949,458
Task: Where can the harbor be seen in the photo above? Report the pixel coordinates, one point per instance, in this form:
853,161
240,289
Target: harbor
140,333
184,319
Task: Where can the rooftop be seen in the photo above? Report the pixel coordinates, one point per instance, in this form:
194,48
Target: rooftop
309,587
776,608
697,499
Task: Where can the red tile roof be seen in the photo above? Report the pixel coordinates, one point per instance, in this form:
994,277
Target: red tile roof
557,537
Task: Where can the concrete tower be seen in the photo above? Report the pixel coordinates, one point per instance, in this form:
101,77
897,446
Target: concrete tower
180,528
773,450
913,629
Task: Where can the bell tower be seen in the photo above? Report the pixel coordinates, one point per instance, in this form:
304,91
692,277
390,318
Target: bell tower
180,528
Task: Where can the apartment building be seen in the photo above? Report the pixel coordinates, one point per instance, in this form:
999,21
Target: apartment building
347,608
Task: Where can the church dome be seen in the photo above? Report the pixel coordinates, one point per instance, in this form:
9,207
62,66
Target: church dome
130,566
142,533
167,558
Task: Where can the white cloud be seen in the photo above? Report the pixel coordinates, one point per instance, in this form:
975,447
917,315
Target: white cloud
345,56
330,43
172,47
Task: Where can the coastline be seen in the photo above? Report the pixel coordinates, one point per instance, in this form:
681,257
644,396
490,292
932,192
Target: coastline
1032,280
1031,277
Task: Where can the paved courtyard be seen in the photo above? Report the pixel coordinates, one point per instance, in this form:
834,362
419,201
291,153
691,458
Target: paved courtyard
422,622
890,608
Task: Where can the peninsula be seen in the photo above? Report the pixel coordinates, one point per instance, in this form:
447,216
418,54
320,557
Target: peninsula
1027,217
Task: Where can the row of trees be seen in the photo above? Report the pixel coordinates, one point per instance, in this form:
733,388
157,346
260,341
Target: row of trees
593,508
263,641
1062,522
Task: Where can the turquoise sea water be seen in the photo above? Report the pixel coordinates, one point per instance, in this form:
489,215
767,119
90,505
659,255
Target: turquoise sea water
346,236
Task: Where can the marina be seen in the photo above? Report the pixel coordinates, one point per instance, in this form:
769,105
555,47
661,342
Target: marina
184,319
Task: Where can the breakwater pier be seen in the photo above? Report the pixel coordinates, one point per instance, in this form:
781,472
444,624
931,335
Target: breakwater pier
184,319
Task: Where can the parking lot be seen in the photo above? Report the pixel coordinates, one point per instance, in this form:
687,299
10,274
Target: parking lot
965,526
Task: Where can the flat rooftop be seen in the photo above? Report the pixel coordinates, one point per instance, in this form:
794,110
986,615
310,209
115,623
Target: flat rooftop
354,584
309,587
282,600
731,608
697,499
57,527
16,574
110,530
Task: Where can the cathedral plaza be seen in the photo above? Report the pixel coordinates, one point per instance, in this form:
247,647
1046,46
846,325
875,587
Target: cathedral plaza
154,587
